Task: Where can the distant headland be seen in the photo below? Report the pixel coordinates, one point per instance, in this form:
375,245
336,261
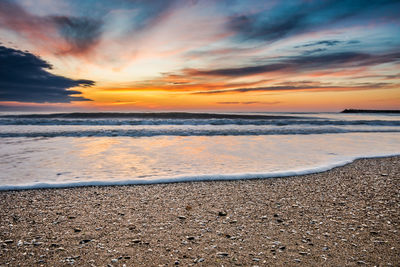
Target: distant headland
369,111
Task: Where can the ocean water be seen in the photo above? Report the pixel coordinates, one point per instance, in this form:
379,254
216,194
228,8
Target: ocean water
77,149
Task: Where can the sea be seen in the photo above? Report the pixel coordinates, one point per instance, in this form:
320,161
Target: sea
56,150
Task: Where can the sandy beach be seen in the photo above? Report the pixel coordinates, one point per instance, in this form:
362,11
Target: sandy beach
346,216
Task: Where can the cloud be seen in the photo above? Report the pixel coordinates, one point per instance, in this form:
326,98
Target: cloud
323,42
354,42
289,18
60,34
313,87
304,63
24,78
81,33
241,71
326,43
313,51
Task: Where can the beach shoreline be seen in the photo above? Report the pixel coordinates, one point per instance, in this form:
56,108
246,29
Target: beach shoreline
348,215
192,178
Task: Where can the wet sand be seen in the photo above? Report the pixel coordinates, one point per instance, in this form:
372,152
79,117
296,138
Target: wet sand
346,216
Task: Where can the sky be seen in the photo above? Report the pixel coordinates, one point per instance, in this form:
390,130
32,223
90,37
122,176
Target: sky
205,55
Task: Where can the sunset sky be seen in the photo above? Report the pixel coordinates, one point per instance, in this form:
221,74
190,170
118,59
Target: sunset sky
205,55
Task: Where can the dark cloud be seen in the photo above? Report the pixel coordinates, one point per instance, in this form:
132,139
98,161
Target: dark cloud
24,78
257,89
354,42
250,27
324,42
288,18
80,33
361,86
305,63
243,71
313,51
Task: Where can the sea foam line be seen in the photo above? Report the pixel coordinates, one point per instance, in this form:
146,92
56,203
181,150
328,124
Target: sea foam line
191,132
196,178
194,122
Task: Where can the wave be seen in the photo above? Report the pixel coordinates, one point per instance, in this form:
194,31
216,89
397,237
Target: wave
190,132
149,115
197,178
119,122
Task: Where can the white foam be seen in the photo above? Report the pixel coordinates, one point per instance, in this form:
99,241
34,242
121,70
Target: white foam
198,178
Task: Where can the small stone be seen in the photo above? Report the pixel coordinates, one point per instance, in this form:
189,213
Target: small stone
279,221
176,262
114,260
384,174
282,248
127,257
136,241
188,207
276,215
222,254
325,248
182,217
302,253
200,260
222,213
84,241
361,262
77,230
297,260
190,237
71,217
8,241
